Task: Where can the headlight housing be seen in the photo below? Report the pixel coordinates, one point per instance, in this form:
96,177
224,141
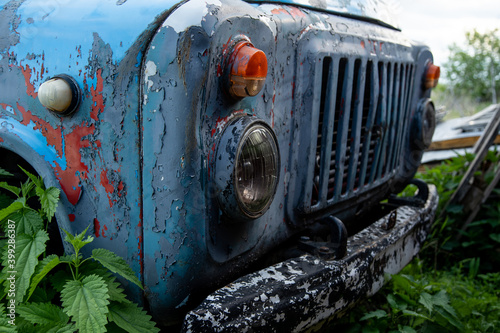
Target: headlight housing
247,168
423,125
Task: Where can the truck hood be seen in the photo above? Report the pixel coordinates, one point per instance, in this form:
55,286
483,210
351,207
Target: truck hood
381,11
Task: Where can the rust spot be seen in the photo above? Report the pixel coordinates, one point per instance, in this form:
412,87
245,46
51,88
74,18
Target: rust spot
97,227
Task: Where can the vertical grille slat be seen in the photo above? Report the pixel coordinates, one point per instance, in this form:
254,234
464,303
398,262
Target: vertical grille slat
355,124
380,156
364,106
343,128
370,106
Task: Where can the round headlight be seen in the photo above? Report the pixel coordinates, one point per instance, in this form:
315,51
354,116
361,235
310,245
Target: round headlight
423,124
256,170
247,168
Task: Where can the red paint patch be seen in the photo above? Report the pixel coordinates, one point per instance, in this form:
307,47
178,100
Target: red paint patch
71,217
53,135
70,178
97,99
120,188
104,228
30,89
296,12
105,182
73,142
97,227
278,11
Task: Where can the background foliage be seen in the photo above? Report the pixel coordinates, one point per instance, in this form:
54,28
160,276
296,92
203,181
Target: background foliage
454,283
474,69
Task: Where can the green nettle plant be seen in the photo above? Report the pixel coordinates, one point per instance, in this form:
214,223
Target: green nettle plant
42,292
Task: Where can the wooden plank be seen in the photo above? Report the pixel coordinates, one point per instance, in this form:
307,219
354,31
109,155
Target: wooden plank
480,149
458,143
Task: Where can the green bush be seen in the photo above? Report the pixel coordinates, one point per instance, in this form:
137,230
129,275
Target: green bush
52,293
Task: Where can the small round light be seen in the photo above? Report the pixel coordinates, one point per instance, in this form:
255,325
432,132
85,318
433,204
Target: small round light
246,70
247,165
256,170
60,94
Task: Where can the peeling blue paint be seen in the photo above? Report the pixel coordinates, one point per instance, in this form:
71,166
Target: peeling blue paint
34,139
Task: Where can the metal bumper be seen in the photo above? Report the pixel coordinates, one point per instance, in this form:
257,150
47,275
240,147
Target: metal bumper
298,293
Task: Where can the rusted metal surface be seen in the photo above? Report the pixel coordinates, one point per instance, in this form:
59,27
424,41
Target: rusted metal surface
299,293
137,160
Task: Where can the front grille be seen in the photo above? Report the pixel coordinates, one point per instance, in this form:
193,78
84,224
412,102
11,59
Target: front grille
364,106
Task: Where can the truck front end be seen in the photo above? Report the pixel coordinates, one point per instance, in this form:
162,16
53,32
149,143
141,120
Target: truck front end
216,141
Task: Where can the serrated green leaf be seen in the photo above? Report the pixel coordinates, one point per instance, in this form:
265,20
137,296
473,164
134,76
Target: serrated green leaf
27,220
407,329
452,319
415,314
28,248
27,188
49,199
131,318
426,300
374,314
86,302
396,302
69,328
77,241
12,208
115,292
10,188
441,299
5,326
5,173
37,181
43,314
25,326
43,268
115,264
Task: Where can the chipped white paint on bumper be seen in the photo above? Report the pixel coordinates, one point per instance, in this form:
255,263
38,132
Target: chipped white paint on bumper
297,293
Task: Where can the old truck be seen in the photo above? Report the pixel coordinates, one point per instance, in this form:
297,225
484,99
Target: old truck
235,153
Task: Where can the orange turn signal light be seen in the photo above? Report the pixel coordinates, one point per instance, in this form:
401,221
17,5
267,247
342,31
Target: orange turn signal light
432,76
247,69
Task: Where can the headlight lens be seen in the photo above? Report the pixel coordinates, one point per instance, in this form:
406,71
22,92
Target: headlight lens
247,167
256,170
